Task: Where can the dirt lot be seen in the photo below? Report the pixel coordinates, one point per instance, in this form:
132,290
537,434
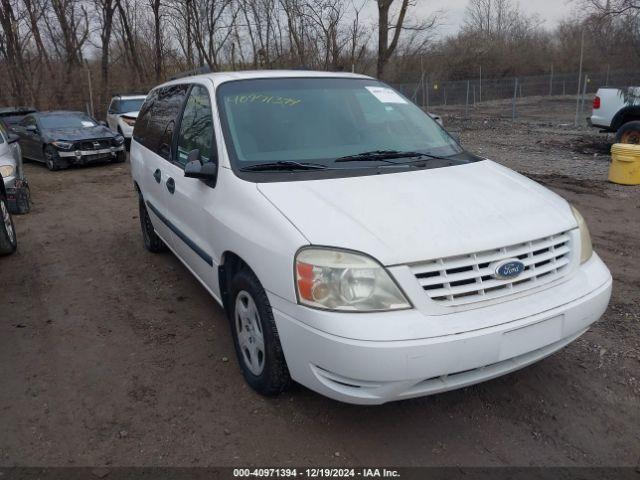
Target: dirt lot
110,355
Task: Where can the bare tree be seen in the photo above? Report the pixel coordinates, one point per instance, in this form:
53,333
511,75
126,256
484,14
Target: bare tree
387,25
106,11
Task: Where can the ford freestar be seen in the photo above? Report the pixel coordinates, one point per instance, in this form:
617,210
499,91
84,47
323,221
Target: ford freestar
355,246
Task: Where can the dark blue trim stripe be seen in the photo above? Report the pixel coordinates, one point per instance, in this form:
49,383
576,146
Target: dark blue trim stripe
190,243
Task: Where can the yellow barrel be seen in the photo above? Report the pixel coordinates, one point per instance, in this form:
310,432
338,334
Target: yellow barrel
625,164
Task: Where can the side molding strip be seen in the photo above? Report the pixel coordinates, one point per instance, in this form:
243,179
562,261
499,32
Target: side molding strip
190,243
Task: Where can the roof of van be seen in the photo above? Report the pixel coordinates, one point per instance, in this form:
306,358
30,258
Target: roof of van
221,77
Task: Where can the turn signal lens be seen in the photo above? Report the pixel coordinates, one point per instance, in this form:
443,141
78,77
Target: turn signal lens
340,280
586,248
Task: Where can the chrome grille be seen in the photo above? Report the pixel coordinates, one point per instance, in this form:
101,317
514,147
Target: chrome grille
470,278
97,144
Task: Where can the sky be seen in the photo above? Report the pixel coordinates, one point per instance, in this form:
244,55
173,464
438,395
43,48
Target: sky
549,11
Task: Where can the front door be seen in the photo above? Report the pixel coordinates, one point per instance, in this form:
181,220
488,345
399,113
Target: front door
30,140
193,202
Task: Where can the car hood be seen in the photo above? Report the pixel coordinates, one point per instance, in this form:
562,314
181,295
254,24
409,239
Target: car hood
422,215
130,114
85,133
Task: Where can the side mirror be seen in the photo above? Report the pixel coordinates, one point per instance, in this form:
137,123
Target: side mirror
102,123
31,128
204,171
13,138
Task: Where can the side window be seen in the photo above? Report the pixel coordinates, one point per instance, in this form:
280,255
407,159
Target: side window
141,127
196,127
26,121
162,119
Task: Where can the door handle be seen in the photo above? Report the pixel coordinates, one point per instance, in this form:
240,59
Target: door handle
157,175
171,185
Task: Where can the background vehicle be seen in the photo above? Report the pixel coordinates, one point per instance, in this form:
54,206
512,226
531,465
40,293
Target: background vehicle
8,241
15,182
11,116
61,138
123,112
618,110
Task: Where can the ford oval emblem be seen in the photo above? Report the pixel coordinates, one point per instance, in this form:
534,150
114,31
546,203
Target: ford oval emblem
507,269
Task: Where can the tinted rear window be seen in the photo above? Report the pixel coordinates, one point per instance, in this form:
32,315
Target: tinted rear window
157,120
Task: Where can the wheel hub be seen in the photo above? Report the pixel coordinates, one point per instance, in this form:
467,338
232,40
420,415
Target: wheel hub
249,332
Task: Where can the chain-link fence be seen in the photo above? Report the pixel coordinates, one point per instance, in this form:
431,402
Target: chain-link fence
432,93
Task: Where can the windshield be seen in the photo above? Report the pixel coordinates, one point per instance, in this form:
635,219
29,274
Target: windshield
66,120
321,120
130,105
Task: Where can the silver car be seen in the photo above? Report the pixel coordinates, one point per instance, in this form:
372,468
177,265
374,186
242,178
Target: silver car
12,173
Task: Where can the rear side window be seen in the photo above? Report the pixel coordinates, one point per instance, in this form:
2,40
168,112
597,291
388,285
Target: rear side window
157,120
164,114
114,106
196,127
140,130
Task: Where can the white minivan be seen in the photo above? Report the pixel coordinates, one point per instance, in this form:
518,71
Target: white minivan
355,246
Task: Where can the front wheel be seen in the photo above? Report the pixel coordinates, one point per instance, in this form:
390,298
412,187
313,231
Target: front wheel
629,133
8,241
121,157
256,337
52,160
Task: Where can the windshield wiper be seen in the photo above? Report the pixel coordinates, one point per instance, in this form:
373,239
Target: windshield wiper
380,155
283,165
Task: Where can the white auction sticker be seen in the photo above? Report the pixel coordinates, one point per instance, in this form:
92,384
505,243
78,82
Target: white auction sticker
386,95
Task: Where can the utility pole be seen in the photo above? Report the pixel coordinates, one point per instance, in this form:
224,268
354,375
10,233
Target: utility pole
580,78
86,64
551,82
515,98
480,86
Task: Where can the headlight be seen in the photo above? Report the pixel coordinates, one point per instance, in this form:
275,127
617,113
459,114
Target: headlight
118,139
7,171
333,279
586,248
129,121
63,145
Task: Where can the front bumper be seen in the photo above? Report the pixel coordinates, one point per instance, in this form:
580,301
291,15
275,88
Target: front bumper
125,129
80,157
374,372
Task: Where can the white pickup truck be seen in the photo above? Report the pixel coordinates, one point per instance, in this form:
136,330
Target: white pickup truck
618,110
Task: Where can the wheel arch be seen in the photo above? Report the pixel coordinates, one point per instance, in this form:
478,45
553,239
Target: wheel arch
625,115
230,263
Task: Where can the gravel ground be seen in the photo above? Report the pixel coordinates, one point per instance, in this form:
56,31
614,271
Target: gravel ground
112,356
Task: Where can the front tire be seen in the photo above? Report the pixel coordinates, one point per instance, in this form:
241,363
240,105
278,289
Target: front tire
121,157
255,336
629,133
52,160
8,240
152,241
